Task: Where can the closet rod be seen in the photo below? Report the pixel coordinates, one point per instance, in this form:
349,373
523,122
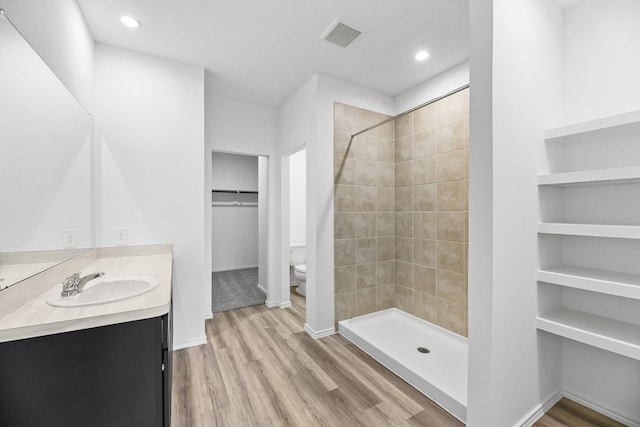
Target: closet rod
409,111
235,191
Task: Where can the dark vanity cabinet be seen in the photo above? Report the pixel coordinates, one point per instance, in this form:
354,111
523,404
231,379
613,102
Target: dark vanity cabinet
115,375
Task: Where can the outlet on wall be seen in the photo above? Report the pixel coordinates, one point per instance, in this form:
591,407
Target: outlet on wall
70,239
122,236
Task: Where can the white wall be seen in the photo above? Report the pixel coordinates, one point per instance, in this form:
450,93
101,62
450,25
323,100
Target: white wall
58,32
516,63
45,154
298,197
238,127
234,228
150,146
445,82
601,62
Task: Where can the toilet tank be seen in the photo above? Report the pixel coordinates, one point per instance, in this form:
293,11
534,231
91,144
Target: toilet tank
297,253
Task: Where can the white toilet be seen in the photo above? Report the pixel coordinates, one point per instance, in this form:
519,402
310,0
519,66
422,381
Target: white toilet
297,260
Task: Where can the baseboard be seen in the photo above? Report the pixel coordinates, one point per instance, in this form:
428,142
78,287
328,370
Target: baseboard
208,316
536,413
240,267
263,290
285,304
272,304
191,343
604,410
320,334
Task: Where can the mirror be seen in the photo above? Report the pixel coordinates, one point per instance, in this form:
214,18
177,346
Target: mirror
46,150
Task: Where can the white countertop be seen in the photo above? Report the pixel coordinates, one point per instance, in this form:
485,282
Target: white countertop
36,318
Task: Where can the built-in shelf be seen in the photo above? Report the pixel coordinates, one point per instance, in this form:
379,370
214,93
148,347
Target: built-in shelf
608,282
591,230
612,123
608,334
215,190
623,175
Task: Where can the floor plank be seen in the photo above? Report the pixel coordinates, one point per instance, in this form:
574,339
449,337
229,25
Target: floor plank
567,413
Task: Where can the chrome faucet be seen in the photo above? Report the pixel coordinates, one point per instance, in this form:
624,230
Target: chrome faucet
74,284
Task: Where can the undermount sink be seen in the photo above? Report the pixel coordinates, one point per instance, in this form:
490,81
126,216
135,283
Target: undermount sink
106,290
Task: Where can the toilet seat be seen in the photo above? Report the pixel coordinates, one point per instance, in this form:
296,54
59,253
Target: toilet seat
302,268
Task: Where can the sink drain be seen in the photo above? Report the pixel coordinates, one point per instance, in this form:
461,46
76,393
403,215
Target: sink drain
424,350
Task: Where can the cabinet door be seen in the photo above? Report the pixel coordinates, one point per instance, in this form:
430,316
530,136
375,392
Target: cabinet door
106,376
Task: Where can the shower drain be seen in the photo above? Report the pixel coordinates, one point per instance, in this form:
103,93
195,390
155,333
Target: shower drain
424,350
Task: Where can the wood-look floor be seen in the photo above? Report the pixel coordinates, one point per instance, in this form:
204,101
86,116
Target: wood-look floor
261,369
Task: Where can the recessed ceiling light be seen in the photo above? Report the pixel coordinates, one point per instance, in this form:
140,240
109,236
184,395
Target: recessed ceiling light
130,21
422,55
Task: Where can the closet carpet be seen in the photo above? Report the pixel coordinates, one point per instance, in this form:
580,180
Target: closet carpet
235,289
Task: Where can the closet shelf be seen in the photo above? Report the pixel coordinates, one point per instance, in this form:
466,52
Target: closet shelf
607,282
622,175
608,334
591,230
215,190
607,124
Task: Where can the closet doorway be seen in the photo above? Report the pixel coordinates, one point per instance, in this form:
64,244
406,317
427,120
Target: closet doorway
235,215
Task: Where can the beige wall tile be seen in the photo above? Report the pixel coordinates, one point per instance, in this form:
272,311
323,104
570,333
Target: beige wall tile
386,130
424,118
366,199
424,279
451,196
451,136
367,146
366,172
466,163
451,286
385,224
344,252
404,199
386,150
425,197
452,316
365,224
404,224
404,298
404,149
451,256
404,126
385,297
424,170
386,272
404,174
344,225
365,250
366,275
344,171
450,166
424,144
424,252
424,225
404,249
386,248
345,117
425,306
345,306
366,118
385,199
384,174
345,198
345,279
366,301
451,226
341,146
452,107
404,274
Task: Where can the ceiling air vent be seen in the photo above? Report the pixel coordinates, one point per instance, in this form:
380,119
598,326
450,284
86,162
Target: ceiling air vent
340,33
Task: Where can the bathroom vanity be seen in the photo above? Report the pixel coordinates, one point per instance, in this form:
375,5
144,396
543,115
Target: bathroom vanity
99,365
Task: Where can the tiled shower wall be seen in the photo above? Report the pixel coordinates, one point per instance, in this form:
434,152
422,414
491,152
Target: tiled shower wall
401,212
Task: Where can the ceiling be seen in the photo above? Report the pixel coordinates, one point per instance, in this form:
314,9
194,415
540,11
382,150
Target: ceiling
262,51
